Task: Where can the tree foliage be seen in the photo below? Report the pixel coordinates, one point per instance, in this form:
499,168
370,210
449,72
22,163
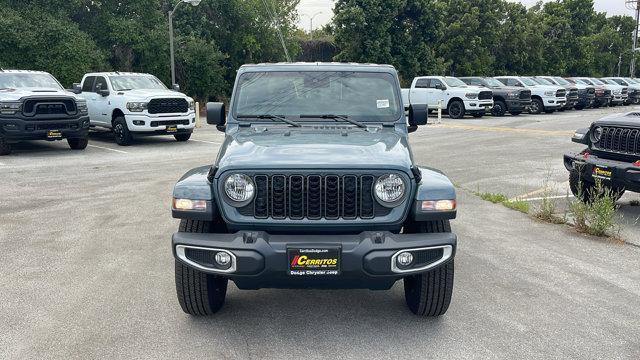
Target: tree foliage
487,37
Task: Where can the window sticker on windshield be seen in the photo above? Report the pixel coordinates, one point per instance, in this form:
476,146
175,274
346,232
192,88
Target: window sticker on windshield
383,104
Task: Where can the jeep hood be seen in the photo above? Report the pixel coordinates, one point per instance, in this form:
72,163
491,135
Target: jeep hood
17,94
148,94
314,149
631,119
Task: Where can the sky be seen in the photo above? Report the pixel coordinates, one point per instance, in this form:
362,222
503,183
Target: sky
324,9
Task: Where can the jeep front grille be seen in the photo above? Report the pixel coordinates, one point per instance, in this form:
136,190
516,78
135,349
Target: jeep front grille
619,140
485,95
168,106
49,106
314,197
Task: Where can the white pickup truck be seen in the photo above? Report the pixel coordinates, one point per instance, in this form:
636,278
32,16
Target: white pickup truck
456,97
136,104
547,98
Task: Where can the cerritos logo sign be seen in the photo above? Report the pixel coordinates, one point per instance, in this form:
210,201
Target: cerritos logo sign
314,261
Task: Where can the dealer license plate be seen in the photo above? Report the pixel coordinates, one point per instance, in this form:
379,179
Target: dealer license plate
172,129
54,134
602,173
314,261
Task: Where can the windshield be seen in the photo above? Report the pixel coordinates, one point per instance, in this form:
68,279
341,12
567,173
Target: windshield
561,81
543,81
363,96
493,82
135,82
630,80
596,81
584,81
28,81
528,81
454,82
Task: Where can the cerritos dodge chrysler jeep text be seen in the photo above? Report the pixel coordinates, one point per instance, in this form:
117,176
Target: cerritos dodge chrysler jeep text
137,104
34,106
315,186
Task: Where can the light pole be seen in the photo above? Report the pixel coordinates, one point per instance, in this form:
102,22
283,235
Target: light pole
634,5
173,62
311,22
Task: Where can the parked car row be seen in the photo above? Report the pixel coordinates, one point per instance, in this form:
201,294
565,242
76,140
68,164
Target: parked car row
500,95
35,106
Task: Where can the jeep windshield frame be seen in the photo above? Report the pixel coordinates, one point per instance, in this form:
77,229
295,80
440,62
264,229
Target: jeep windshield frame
362,96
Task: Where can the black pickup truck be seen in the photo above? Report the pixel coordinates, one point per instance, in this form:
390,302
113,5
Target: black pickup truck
513,100
34,106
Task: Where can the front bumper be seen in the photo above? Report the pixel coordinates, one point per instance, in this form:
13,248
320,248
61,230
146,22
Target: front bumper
477,106
158,124
18,129
518,105
571,102
554,103
623,174
261,259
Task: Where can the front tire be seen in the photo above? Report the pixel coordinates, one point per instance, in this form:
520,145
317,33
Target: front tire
478,115
536,106
199,293
78,143
515,113
121,132
587,192
499,108
182,137
429,294
5,147
456,109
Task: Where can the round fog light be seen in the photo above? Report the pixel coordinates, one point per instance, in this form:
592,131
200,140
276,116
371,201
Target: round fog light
404,259
223,259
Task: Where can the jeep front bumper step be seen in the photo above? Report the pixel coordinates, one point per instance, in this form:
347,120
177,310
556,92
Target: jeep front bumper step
622,174
367,260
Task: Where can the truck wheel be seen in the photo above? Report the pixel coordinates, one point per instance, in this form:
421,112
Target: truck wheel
199,293
78,143
121,132
429,294
499,108
586,191
536,106
549,111
478,115
456,109
182,137
5,147
515,113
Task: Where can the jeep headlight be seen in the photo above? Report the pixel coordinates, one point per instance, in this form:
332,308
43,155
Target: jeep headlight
550,93
239,188
10,107
389,189
471,95
192,105
82,107
596,134
137,106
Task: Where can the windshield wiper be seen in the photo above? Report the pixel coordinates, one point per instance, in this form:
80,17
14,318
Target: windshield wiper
270,117
335,117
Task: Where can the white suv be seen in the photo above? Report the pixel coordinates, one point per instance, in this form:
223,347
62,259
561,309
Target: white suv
140,104
547,98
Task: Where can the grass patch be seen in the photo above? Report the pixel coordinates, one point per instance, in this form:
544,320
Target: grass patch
597,215
495,198
518,205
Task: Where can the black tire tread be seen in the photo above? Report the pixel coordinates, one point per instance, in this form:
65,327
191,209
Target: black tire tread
78,143
5,147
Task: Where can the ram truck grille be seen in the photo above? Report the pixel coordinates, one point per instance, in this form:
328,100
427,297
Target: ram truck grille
49,106
619,140
607,93
168,106
314,197
485,95
561,93
525,95
573,94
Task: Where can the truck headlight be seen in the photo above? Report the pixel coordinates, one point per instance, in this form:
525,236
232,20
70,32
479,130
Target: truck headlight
514,95
617,92
192,105
10,107
471,96
137,106
389,189
239,188
82,107
550,93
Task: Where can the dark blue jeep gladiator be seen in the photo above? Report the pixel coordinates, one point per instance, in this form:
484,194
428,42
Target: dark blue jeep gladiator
315,186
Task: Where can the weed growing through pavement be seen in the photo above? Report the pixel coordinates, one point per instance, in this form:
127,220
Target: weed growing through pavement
497,198
547,210
595,213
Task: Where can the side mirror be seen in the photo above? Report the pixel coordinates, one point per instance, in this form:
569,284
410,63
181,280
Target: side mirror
176,87
440,87
418,115
103,92
216,115
76,89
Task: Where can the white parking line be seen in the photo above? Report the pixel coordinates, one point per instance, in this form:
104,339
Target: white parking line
208,142
548,197
106,148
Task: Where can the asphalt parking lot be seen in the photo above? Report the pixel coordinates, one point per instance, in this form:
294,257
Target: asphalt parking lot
88,269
